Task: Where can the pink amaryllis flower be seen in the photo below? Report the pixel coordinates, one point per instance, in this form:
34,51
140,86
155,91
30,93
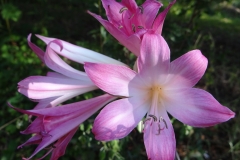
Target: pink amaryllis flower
54,127
157,88
66,82
127,22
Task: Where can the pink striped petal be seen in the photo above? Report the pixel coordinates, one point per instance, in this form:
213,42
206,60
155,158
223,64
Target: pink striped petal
51,83
39,52
71,116
158,23
61,145
147,14
154,60
119,118
113,79
53,61
186,70
130,4
159,139
112,9
131,42
196,107
40,87
77,53
44,103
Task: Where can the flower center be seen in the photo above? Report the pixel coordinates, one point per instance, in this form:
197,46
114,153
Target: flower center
130,22
154,120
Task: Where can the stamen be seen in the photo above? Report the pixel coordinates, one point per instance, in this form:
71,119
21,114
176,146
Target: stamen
120,27
145,120
131,16
45,134
140,27
161,119
159,129
133,28
154,117
123,9
165,123
141,9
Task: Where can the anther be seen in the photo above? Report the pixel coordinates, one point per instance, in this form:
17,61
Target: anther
133,28
123,9
145,120
141,9
154,117
120,27
131,16
165,123
140,27
44,134
159,129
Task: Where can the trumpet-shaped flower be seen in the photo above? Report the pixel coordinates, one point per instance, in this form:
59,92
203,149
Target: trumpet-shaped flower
127,22
66,82
54,127
156,88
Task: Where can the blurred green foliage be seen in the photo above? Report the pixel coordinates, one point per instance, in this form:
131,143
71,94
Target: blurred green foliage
211,26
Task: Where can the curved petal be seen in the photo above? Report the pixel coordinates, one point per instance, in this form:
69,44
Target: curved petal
83,109
40,87
147,13
159,139
196,107
113,79
158,23
76,53
51,83
44,103
112,9
186,70
119,118
62,145
154,60
130,42
130,4
53,61
39,52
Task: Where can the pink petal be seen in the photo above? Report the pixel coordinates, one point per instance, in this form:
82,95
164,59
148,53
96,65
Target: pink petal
77,53
39,52
196,107
44,103
154,60
119,118
158,23
160,145
33,140
113,79
186,70
130,42
130,4
112,9
40,87
52,83
71,116
146,16
54,62
61,145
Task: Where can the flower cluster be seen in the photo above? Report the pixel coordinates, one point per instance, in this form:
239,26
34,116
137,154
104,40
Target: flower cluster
154,89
